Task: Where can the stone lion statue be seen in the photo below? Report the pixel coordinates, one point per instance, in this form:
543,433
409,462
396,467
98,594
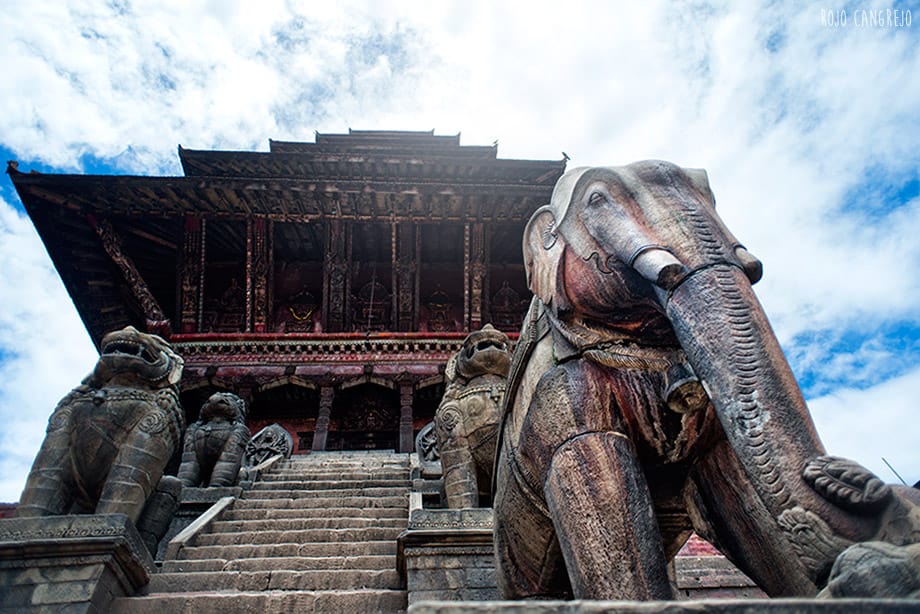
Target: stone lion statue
215,445
466,421
109,440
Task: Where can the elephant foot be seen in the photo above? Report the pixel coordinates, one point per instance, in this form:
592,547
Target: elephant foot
875,570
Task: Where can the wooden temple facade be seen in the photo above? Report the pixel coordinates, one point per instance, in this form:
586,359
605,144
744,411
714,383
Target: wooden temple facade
326,283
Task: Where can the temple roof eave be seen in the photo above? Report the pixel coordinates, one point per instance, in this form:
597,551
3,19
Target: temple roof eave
346,198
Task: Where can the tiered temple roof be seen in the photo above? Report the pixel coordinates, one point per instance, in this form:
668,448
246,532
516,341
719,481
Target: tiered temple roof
326,283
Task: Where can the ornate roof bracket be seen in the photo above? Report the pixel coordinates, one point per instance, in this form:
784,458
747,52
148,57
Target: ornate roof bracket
156,320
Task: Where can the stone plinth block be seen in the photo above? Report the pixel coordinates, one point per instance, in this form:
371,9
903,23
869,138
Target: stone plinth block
721,606
70,563
194,502
448,555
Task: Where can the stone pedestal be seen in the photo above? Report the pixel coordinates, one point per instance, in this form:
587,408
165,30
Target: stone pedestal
70,563
193,503
714,606
447,555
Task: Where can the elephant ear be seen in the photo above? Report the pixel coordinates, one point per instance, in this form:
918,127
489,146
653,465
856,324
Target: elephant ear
543,251
700,180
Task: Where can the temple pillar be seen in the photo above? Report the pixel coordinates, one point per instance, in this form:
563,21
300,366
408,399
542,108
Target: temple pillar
258,267
191,271
335,274
406,439
466,277
477,274
321,431
405,271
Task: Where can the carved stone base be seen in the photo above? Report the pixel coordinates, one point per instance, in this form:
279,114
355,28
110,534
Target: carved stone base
720,606
448,555
70,563
194,503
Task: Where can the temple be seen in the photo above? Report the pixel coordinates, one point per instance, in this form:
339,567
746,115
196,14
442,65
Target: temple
325,283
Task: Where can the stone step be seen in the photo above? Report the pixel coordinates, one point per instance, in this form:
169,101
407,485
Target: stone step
319,512
327,484
288,493
302,536
331,471
311,475
289,549
290,563
265,580
298,524
356,601
400,501
348,463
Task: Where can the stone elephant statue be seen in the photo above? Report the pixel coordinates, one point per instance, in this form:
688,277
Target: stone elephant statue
215,445
466,421
648,396
109,440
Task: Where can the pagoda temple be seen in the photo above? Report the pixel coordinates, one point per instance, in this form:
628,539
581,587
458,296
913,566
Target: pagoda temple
326,283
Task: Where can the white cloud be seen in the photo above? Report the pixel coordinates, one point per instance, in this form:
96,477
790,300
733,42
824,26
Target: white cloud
787,115
872,424
46,350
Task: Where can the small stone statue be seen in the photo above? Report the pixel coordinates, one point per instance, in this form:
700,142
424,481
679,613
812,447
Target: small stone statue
467,419
215,444
110,439
270,441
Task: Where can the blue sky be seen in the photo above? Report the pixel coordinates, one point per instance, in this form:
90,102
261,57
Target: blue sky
808,126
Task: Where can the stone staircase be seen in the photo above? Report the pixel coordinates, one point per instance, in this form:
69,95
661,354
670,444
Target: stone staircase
316,535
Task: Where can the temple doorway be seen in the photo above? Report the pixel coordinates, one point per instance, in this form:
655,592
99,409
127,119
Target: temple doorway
364,417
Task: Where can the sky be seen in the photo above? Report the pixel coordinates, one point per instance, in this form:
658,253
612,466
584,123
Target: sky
806,119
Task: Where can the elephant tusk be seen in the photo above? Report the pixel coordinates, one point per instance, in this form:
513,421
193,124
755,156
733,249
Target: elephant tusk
752,266
658,265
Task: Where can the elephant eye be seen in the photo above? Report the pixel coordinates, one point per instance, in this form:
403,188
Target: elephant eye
596,198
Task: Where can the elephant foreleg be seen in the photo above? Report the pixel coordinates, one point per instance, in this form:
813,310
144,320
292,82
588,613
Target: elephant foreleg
529,562
726,510
605,521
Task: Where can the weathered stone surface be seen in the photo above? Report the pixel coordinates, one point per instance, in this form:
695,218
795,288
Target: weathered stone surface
326,512
648,396
300,524
771,606
466,421
192,504
70,563
290,549
711,577
322,553
357,600
109,440
876,569
322,502
448,555
303,536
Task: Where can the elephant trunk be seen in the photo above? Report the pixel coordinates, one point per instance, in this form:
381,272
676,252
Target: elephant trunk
731,346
